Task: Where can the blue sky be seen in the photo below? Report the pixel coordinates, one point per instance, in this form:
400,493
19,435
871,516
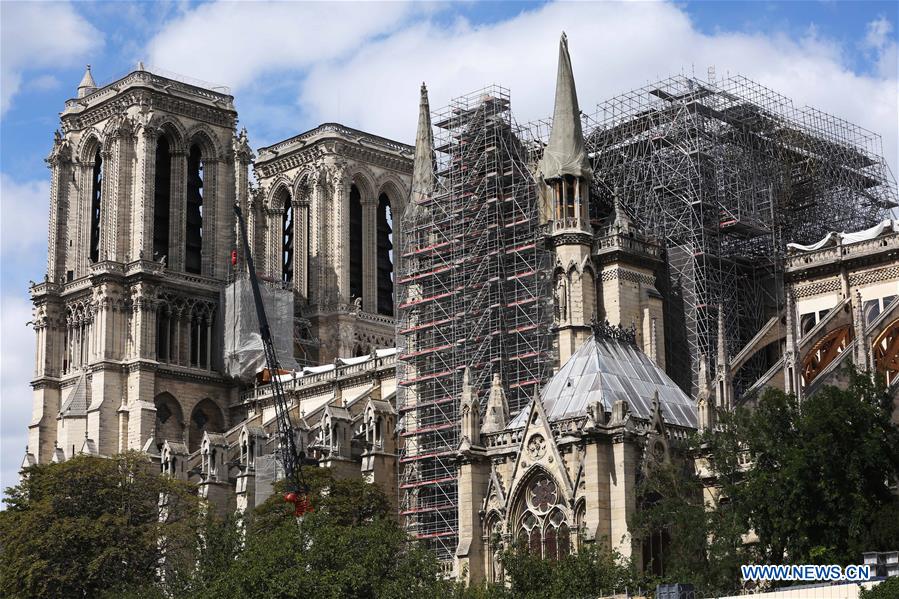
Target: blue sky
294,65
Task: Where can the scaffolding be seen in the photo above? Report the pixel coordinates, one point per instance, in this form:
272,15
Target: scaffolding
725,174
472,293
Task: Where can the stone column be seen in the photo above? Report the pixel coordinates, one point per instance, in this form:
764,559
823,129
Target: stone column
299,246
369,254
340,247
474,475
623,496
145,194
316,262
60,164
177,214
209,251
597,478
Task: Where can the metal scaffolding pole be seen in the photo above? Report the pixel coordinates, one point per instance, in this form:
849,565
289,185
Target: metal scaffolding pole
726,174
471,293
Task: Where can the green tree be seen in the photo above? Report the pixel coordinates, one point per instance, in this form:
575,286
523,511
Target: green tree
588,573
888,589
349,546
809,482
821,473
88,525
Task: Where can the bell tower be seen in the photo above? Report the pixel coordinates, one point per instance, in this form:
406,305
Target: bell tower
565,174
144,172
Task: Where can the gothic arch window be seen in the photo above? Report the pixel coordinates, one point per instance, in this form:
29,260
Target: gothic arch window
206,416
162,198
356,260
287,236
96,205
193,239
169,419
385,255
543,526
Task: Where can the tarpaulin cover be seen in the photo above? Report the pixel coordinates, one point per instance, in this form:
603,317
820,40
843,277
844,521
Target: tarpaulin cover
888,225
244,355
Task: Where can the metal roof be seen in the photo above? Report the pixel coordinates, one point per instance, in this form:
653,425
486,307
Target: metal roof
609,370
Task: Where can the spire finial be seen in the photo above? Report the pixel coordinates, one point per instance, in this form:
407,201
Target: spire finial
423,180
565,153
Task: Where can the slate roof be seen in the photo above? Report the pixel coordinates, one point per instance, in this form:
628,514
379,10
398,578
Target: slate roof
610,370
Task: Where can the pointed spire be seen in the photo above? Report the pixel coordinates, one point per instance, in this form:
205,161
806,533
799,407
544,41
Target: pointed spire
87,85
471,414
723,358
704,403
565,153
423,180
622,221
497,414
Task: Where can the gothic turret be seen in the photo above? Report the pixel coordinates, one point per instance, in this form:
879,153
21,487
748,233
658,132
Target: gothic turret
565,171
497,414
87,85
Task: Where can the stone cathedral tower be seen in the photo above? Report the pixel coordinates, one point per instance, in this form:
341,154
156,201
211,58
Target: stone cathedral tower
144,174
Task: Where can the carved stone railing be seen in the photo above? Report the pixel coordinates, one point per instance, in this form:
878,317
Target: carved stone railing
569,224
299,383
343,131
620,241
220,93
837,253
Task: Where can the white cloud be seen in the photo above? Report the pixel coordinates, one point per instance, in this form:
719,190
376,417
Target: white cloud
614,47
882,48
361,64
23,217
38,35
16,368
878,33
233,43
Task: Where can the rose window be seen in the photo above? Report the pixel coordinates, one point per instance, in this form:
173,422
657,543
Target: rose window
536,447
543,494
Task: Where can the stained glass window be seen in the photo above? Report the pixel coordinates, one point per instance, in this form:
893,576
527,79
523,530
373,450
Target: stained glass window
544,528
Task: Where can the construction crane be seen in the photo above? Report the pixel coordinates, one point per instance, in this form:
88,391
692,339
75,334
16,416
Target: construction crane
296,489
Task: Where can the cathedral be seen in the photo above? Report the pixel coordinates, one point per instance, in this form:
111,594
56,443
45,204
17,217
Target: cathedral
481,323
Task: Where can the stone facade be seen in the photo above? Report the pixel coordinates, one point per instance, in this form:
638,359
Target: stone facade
343,188
128,319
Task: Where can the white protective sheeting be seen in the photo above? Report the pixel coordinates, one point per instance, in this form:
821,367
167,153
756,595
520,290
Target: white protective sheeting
243,352
889,225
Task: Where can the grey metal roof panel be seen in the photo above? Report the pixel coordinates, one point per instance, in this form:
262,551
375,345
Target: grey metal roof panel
609,370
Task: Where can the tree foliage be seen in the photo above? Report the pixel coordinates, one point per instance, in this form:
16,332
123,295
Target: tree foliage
803,483
87,525
349,546
592,571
